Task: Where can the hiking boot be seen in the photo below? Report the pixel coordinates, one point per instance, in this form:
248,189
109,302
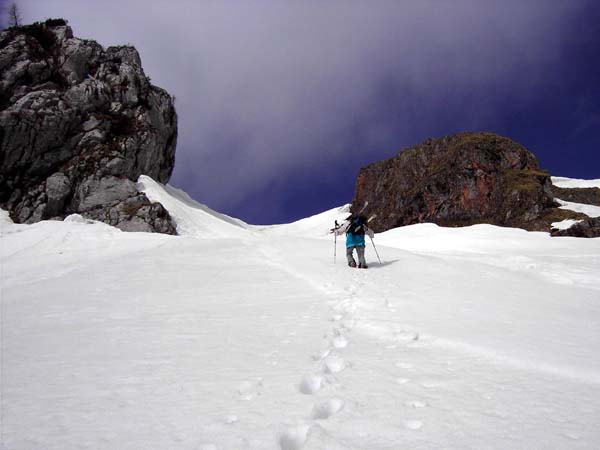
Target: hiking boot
363,266
352,264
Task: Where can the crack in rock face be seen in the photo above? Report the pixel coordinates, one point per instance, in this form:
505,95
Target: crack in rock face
78,125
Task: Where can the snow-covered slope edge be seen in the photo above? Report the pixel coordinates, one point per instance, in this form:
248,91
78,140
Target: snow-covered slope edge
588,210
192,218
316,226
564,182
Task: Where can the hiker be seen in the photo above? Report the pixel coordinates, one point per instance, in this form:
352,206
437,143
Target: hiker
355,228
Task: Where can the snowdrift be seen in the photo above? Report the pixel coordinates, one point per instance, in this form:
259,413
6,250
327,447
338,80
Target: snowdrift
192,218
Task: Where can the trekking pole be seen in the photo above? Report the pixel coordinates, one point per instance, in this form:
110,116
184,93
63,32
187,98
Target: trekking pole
335,240
375,248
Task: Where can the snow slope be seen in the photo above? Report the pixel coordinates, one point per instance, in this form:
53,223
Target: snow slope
317,226
564,182
240,337
590,210
192,218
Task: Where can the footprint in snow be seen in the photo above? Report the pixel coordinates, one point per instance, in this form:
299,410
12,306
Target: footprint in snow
339,342
310,384
334,364
250,389
327,409
293,438
321,355
230,419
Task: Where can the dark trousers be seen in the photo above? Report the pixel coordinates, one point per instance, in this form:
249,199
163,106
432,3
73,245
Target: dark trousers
360,251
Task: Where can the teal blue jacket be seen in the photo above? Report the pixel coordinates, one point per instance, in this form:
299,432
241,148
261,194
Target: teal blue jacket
352,240
355,240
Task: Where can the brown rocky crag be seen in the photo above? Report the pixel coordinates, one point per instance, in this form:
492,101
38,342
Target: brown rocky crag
78,125
460,180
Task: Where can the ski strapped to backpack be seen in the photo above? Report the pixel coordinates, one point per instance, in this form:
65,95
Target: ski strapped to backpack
358,223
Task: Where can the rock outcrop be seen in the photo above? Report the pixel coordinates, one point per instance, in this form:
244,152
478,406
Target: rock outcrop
460,180
78,125
588,228
588,196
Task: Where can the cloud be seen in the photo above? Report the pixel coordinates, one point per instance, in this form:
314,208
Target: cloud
269,91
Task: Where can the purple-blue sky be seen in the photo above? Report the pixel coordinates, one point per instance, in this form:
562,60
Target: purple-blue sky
280,102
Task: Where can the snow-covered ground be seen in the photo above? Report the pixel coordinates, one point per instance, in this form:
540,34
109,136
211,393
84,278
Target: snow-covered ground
241,337
590,210
564,182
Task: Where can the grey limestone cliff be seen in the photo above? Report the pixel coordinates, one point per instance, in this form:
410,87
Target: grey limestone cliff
78,125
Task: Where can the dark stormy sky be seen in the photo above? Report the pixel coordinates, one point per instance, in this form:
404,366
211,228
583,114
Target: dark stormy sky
281,102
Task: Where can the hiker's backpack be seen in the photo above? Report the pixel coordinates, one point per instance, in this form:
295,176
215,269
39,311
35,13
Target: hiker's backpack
357,225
